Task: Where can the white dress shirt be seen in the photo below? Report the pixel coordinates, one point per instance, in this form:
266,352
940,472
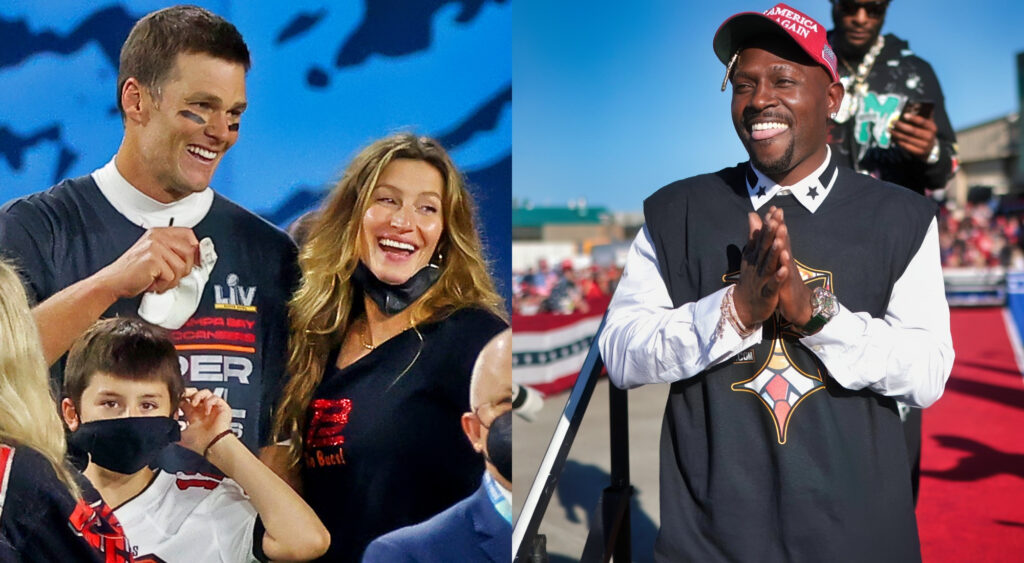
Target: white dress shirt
907,354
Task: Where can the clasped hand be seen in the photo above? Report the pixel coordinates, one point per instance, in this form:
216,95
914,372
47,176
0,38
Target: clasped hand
769,278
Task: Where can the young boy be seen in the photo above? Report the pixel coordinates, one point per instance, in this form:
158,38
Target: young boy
122,392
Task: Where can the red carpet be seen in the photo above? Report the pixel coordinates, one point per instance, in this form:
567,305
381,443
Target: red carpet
971,505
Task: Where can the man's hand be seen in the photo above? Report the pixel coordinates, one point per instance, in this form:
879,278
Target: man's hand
915,134
208,415
757,293
156,262
794,295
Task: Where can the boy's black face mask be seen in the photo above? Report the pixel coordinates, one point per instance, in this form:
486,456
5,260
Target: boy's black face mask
126,445
393,299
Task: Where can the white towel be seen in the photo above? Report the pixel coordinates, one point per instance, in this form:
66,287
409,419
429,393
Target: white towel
172,308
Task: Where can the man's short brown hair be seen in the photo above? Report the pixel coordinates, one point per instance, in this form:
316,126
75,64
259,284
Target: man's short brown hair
123,348
156,40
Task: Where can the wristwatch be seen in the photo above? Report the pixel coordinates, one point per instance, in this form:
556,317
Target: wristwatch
823,307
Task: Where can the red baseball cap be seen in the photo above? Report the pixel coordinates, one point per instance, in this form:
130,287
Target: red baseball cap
807,33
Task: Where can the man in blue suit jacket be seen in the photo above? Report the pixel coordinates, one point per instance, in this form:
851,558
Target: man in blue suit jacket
479,527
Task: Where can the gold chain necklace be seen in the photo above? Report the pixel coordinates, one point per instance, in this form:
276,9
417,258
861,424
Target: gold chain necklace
364,336
366,339
856,83
860,76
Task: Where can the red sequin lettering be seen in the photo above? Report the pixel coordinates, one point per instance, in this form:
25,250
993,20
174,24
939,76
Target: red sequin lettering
330,416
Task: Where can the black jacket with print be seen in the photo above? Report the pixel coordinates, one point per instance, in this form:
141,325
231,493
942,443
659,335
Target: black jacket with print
862,143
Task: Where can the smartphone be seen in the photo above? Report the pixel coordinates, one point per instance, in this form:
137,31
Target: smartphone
923,108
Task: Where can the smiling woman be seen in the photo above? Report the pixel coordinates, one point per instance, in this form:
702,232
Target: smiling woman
402,225
394,306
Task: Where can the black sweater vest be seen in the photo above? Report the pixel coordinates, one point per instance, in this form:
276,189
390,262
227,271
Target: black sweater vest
764,456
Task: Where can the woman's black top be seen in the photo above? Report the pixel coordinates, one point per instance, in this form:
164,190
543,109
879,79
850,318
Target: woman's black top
384,446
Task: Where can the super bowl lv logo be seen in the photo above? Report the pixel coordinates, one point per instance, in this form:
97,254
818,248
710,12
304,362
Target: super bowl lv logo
785,373
234,296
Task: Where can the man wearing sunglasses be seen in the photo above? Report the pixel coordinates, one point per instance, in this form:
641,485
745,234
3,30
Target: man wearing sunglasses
892,124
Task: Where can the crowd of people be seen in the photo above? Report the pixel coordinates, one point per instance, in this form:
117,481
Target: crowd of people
566,289
976,236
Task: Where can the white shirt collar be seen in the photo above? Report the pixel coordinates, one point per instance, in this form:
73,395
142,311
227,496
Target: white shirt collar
145,211
809,191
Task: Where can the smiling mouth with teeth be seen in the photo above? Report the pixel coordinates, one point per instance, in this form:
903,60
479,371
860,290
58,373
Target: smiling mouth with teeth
760,131
388,244
201,152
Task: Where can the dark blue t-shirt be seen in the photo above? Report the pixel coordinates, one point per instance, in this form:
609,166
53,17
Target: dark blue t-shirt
234,344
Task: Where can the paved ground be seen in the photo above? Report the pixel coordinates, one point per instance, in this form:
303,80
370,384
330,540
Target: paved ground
586,472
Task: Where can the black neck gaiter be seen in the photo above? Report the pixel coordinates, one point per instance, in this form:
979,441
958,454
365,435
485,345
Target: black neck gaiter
393,299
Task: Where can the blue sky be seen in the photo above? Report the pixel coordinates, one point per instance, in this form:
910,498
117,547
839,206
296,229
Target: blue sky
611,103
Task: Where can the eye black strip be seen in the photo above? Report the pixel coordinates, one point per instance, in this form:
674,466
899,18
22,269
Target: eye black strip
192,116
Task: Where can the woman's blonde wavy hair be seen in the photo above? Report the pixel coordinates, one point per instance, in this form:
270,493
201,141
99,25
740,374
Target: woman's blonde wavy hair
28,411
326,301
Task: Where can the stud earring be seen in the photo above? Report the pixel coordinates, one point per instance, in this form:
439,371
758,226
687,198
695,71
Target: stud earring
832,115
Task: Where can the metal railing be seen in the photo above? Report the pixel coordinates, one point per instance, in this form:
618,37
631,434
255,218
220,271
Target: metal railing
609,537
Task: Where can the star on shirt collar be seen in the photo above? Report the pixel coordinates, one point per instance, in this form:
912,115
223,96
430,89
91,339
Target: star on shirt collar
806,190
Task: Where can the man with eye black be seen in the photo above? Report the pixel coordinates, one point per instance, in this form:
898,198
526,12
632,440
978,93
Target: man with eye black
146,236
892,124
790,302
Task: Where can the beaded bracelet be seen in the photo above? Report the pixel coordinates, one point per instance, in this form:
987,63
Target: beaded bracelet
729,313
214,441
